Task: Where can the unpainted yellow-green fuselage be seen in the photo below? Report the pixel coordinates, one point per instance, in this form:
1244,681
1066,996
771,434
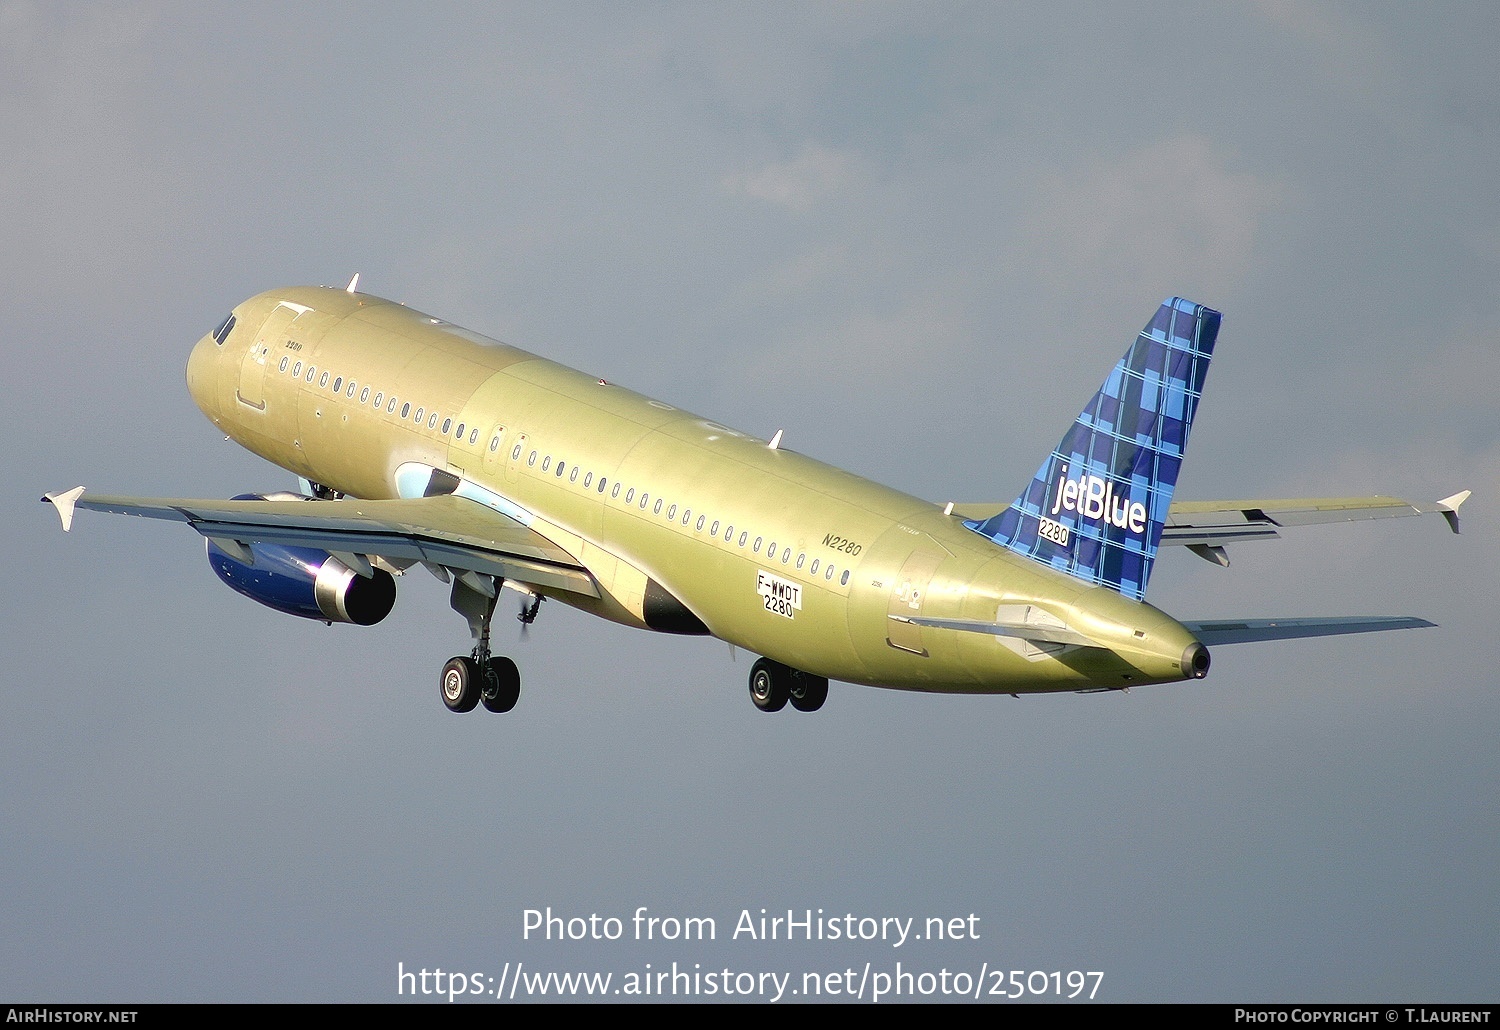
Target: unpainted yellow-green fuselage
523,416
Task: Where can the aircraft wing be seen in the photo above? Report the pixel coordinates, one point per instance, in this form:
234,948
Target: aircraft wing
1204,527
442,532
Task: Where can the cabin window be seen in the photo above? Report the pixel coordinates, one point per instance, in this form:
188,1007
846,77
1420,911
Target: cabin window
338,384
284,360
447,425
432,420
714,529
588,480
743,536
771,551
312,370
756,548
297,369
391,406
574,477
350,392
405,409
494,444
800,559
602,483
701,520
515,454
629,494
813,571
645,500
531,459
546,463
844,579
671,512
613,493
560,466
473,436
459,433
323,381
364,395
828,574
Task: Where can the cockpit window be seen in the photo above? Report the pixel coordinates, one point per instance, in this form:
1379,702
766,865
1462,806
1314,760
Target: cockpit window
225,328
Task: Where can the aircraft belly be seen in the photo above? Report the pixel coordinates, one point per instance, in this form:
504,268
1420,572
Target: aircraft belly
801,624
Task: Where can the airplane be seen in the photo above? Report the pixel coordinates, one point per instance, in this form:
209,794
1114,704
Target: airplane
417,442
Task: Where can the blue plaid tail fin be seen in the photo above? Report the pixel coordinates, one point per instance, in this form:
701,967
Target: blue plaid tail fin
1096,507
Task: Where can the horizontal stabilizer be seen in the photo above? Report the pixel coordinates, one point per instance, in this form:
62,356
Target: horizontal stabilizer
1244,631
1205,527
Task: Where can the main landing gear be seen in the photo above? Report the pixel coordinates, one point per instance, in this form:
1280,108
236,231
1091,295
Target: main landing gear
494,683
481,678
772,685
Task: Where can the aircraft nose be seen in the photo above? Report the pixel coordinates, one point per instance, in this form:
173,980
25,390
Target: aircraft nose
200,373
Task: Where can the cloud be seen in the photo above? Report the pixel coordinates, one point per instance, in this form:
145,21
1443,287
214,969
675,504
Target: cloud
1345,47
797,184
800,273
912,337
1168,216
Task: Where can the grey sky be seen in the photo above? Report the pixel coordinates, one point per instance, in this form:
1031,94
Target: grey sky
758,212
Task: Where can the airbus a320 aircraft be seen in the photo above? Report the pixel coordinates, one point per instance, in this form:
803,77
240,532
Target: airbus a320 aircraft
417,442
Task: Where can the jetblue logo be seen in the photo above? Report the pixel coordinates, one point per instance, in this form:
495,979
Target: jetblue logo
1093,497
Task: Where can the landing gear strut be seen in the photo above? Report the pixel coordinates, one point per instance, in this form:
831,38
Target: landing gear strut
479,678
772,685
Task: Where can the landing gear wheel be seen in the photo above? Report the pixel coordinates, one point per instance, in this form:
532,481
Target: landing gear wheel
807,692
502,685
769,688
460,684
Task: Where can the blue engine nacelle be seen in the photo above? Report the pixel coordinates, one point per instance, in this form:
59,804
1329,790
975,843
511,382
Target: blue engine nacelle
305,582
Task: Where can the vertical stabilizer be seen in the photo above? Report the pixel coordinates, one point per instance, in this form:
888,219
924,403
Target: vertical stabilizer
1096,506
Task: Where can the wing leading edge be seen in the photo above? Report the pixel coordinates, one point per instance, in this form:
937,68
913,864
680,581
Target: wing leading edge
444,531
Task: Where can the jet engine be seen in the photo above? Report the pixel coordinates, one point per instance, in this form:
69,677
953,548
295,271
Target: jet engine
305,581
